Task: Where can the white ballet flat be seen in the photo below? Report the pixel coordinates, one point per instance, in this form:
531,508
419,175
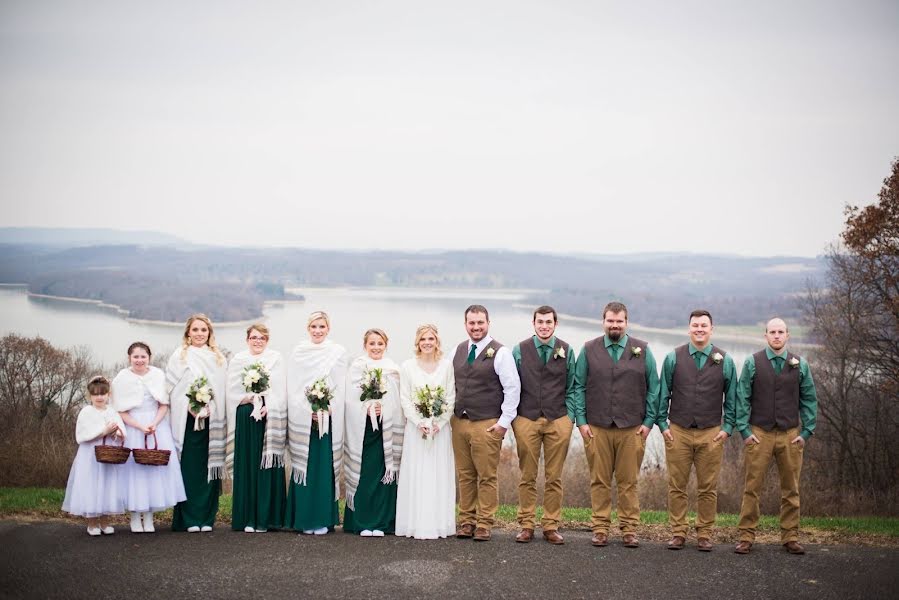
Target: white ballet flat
148,523
206,528
321,531
193,529
108,530
249,529
366,533
262,531
377,533
136,525
308,531
93,531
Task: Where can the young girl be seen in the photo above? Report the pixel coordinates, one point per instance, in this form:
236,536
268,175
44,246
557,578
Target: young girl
138,394
93,488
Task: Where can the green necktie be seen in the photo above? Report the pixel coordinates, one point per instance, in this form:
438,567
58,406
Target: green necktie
544,353
474,348
697,356
616,352
778,364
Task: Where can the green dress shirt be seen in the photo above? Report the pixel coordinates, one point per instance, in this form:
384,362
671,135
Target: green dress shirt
808,397
545,352
616,350
701,357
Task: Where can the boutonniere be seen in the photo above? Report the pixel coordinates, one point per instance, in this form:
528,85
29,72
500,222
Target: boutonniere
636,351
717,358
490,352
559,353
794,362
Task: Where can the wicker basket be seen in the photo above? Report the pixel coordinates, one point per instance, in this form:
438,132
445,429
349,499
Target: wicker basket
113,455
154,457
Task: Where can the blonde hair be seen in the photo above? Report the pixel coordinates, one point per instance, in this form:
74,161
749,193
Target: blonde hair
374,331
185,340
420,332
315,316
261,328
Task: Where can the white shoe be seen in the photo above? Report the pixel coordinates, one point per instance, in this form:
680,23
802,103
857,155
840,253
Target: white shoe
206,528
262,531
193,529
366,533
136,525
148,522
377,533
93,531
308,531
321,531
249,529
108,530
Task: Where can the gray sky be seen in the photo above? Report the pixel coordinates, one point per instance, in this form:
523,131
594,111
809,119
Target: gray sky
589,126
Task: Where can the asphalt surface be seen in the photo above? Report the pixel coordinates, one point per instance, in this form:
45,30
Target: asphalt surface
59,560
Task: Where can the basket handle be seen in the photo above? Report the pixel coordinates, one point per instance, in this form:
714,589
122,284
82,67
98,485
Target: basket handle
155,443
121,440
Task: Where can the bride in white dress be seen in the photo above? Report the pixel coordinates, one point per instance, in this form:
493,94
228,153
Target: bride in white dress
426,494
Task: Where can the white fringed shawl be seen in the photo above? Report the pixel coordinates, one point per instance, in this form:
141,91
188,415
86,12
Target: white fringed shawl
128,388
307,363
91,423
179,374
275,403
392,424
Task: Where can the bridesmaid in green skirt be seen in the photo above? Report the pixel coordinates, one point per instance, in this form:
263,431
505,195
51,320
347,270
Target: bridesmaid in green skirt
199,434
316,370
374,440
257,433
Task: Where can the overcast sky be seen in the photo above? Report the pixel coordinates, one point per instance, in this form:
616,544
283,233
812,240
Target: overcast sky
589,126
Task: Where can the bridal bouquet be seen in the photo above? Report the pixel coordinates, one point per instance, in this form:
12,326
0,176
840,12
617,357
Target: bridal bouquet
256,382
319,396
199,395
430,403
373,386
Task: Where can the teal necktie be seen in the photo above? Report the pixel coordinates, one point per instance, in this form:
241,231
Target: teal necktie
778,364
698,358
471,352
616,352
544,353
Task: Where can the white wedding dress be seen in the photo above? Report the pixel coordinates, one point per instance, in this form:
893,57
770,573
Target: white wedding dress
426,494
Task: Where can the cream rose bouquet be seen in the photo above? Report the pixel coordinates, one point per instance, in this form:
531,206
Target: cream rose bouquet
199,395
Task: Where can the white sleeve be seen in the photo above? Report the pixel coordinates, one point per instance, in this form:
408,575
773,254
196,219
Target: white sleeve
504,366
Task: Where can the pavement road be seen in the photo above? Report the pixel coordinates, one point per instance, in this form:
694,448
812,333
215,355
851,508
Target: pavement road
59,560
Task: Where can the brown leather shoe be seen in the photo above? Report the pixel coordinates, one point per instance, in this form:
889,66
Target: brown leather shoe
553,537
600,539
704,545
524,536
794,548
466,530
743,547
481,534
677,543
630,541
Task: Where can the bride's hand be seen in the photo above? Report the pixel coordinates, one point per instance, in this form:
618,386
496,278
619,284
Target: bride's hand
424,429
378,409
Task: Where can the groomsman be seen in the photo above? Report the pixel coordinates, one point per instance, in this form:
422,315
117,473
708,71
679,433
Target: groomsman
487,395
777,407
616,395
695,377
545,420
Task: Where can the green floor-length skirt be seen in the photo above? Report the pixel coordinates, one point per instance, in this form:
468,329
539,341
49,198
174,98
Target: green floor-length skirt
314,505
259,494
202,502
375,502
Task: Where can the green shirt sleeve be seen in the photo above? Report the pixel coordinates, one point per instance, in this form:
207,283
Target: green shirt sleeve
730,395
516,354
570,394
665,385
744,394
580,388
652,389
808,401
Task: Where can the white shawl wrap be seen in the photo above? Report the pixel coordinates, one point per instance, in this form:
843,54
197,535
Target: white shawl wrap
275,403
128,388
179,375
308,362
91,423
357,412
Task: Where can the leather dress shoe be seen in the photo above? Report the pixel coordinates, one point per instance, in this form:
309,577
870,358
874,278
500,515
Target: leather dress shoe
794,548
743,547
553,537
630,541
466,530
600,539
481,534
704,545
677,543
524,536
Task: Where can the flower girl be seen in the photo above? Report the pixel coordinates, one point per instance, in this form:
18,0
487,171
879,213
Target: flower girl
93,488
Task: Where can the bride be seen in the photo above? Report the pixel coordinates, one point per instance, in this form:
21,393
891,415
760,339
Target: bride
426,498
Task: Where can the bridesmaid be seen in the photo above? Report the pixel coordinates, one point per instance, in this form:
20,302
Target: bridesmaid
201,444
374,443
316,449
257,433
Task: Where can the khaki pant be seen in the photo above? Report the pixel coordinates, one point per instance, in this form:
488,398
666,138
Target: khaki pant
477,456
618,451
693,447
774,444
554,437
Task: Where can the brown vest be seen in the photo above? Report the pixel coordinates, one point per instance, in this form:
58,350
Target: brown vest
543,386
479,392
616,392
775,398
697,397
